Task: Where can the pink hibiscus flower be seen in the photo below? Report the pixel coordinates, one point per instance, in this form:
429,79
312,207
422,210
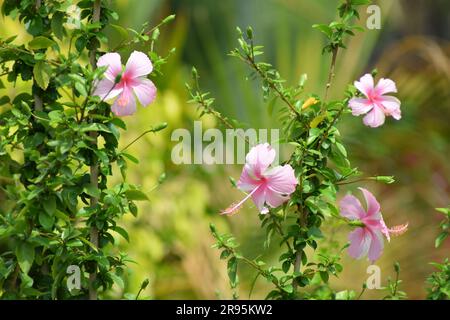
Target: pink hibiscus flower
368,237
132,82
265,185
375,104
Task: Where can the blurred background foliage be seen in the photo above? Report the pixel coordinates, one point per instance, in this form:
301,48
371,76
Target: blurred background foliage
170,240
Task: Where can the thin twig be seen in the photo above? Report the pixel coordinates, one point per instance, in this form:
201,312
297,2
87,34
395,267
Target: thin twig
272,85
330,74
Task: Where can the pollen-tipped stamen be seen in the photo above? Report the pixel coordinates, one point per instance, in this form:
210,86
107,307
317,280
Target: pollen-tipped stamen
234,208
398,230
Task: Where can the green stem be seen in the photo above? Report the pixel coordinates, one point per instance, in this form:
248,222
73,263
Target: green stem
362,292
136,139
330,75
397,275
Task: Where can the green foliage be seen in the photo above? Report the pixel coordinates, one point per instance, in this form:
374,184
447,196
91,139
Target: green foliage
321,164
439,282
393,286
444,225
60,209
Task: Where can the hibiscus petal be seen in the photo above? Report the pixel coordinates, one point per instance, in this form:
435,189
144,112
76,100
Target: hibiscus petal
104,89
138,65
351,208
246,182
392,106
125,105
365,84
360,106
259,198
376,246
373,207
374,118
359,243
385,86
260,158
112,60
275,199
145,91
281,179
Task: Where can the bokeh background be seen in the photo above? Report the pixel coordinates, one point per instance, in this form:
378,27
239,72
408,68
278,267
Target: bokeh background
170,239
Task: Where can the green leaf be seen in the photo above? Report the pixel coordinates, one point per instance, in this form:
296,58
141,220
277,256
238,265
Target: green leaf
118,123
118,280
90,244
286,266
289,288
360,2
136,195
313,134
57,24
130,157
324,28
92,191
225,254
324,276
26,281
46,220
4,100
122,232
445,211
25,256
40,42
121,31
81,89
317,120
50,205
440,239
95,127
345,295
42,73
341,149
315,232
232,271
